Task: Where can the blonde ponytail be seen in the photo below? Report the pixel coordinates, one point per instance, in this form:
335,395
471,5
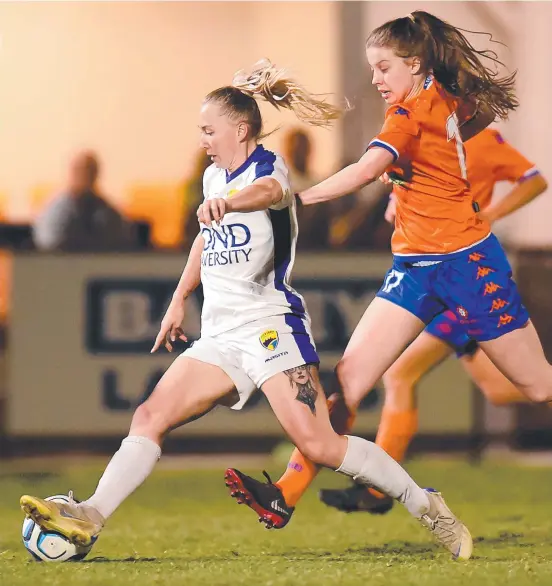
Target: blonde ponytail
279,89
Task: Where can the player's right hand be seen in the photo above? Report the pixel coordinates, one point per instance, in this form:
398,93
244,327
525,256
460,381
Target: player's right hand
171,328
212,211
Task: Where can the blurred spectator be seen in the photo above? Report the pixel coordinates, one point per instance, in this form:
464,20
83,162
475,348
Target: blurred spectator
297,154
79,219
193,196
313,220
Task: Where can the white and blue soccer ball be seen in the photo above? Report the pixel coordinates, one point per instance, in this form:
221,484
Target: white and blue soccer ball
48,546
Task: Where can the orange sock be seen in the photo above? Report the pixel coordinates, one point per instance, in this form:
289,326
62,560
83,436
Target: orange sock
297,478
301,472
395,432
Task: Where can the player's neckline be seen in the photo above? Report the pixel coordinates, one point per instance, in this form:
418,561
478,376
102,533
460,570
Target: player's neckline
259,149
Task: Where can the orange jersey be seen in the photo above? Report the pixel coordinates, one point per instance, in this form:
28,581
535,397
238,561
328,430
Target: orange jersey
435,214
490,160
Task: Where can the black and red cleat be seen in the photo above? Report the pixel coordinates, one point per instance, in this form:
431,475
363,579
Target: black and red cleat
265,498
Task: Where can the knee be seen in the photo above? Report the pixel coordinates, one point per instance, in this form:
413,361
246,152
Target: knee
396,381
322,451
399,385
537,386
354,390
148,422
539,394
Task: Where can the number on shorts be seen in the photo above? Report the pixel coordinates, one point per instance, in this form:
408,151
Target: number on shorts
453,133
392,280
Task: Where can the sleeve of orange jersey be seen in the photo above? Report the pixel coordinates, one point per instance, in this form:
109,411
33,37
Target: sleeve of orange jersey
508,164
399,129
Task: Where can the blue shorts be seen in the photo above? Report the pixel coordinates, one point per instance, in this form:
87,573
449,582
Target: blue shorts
476,285
448,329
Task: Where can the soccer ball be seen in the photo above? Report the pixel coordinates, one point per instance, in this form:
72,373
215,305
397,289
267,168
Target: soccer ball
48,546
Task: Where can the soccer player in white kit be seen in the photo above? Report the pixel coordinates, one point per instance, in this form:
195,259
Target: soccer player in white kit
255,330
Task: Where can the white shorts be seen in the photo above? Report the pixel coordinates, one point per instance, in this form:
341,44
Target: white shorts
255,352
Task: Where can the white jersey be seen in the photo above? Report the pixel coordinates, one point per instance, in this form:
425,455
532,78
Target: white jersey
247,260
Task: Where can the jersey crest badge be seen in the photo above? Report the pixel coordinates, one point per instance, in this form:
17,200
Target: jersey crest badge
269,339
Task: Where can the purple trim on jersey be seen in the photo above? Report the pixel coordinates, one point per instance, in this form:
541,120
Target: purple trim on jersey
265,165
281,230
384,145
256,156
302,338
528,175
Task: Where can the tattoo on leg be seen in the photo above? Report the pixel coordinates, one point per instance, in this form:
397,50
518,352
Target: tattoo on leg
300,378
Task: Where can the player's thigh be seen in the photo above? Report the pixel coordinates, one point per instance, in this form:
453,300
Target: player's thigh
299,403
404,304
400,380
519,356
380,337
492,383
188,389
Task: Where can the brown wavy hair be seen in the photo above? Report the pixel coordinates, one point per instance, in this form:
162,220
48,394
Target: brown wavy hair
456,64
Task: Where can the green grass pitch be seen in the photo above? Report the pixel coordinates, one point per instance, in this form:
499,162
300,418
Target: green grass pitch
181,528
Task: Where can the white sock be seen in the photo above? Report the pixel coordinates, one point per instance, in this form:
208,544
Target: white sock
129,467
367,463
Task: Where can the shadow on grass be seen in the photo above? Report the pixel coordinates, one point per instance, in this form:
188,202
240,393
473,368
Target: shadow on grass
403,549
129,560
30,477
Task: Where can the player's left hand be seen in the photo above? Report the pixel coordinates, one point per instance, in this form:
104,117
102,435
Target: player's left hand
212,210
486,216
385,179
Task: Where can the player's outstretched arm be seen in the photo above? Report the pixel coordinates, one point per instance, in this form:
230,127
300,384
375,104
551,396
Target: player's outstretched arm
350,179
191,275
260,195
170,328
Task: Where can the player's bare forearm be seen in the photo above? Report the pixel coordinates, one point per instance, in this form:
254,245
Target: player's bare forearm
346,181
262,194
191,275
521,195
350,179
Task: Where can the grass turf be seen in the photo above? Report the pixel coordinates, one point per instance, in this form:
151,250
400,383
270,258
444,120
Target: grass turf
181,528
